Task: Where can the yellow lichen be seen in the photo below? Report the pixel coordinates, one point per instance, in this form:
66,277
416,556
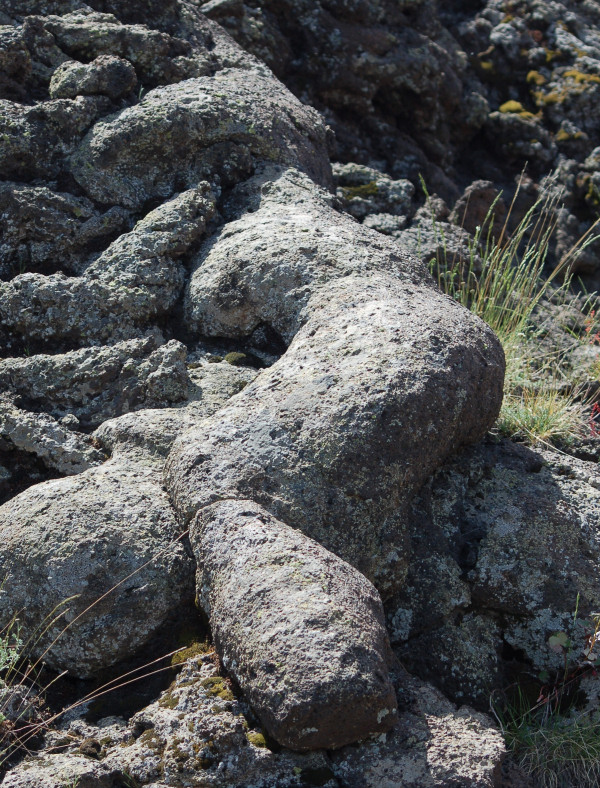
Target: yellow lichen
257,739
553,97
564,136
487,67
535,78
516,108
580,77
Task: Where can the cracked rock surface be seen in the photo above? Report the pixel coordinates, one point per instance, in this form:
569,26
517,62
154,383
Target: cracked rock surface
187,208
200,733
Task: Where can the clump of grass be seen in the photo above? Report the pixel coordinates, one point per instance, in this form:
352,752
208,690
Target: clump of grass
556,751
544,415
505,290
553,743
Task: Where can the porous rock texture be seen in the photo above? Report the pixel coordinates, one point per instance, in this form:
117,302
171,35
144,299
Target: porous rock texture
167,207
335,437
451,91
506,548
102,549
249,562
199,733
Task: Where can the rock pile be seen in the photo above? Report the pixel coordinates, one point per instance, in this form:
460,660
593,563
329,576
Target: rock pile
224,379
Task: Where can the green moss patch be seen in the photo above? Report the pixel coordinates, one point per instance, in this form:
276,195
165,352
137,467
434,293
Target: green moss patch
364,191
236,359
256,738
217,687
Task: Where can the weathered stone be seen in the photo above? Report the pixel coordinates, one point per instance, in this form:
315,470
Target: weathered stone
301,630
106,541
58,771
95,384
375,66
200,731
385,223
155,431
520,137
364,191
321,438
441,246
203,128
39,434
108,75
158,57
36,141
42,229
97,546
319,441
433,746
18,703
480,206
376,377
135,281
505,543
15,63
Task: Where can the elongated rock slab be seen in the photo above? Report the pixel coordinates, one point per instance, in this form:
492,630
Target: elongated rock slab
383,377
302,631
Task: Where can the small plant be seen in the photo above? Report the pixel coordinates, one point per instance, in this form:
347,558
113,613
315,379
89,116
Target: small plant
542,414
506,290
10,650
552,742
563,752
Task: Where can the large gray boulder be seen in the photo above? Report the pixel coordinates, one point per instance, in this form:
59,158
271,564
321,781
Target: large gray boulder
382,378
104,547
199,128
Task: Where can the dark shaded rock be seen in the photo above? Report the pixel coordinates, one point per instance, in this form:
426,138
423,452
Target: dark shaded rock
44,230
480,206
53,443
108,75
505,541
